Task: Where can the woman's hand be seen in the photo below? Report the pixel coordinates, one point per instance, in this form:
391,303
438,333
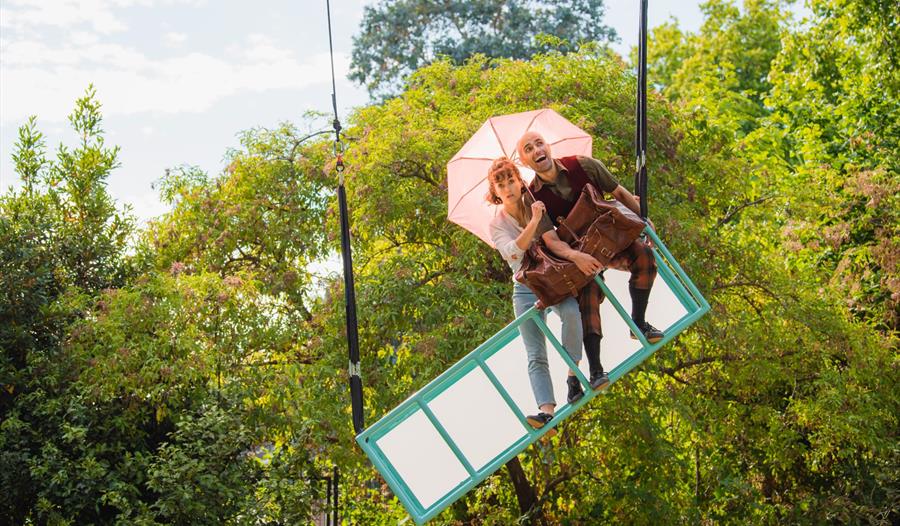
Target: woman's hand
537,210
586,263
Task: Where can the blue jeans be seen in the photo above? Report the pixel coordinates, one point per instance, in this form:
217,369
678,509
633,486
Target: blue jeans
536,344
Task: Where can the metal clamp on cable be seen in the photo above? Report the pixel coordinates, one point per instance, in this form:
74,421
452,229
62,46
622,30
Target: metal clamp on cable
354,370
338,150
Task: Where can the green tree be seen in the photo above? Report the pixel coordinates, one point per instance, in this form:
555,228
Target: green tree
265,215
194,429
61,240
835,90
722,70
133,395
809,107
398,37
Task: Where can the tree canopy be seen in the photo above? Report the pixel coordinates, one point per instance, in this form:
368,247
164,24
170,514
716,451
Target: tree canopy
814,112
398,37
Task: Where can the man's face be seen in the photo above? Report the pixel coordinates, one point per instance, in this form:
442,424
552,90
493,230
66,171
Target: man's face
535,153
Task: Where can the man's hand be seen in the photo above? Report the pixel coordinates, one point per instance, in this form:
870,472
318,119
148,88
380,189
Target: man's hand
637,198
586,263
647,239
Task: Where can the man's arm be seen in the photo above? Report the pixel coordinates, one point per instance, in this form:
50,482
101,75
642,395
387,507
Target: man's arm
585,262
604,180
627,198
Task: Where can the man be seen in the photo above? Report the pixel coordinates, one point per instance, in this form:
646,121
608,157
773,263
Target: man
558,184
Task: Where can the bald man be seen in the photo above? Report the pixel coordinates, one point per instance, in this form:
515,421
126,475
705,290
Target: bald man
558,184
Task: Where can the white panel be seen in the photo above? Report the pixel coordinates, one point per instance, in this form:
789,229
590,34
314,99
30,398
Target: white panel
559,371
422,458
663,310
510,366
477,418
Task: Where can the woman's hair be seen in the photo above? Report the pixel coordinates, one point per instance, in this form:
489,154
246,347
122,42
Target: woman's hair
501,169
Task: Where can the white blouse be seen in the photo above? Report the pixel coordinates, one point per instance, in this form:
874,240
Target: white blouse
504,232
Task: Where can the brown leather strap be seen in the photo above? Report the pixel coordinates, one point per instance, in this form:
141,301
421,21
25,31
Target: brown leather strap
562,223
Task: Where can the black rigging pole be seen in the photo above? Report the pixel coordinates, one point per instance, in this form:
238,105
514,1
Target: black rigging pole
640,176
356,393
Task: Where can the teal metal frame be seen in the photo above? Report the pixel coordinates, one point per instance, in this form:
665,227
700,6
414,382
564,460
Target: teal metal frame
668,269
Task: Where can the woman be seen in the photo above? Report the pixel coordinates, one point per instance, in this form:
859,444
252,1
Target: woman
513,229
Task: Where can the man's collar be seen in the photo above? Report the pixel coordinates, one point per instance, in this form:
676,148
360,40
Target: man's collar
539,183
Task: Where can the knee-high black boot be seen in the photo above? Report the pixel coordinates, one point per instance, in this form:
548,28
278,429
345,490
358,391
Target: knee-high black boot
598,379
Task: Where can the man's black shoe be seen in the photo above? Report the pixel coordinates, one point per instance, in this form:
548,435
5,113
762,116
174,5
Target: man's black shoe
652,334
599,380
540,420
575,390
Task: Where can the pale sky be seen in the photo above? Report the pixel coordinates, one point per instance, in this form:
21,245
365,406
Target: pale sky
179,79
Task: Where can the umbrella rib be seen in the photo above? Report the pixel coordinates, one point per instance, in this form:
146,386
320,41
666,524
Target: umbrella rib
470,159
460,200
497,135
536,115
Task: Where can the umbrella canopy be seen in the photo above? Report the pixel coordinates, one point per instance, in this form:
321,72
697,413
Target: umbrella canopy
467,171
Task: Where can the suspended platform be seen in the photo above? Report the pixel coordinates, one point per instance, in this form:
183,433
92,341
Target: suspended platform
468,422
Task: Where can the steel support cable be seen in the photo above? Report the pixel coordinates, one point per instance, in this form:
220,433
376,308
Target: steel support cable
640,139
356,393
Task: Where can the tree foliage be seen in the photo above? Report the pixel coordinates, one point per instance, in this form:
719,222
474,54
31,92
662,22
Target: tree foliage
813,109
198,374
723,69
133,395
398,37
61,241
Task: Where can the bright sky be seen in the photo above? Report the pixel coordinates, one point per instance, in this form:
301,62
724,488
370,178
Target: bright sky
178,79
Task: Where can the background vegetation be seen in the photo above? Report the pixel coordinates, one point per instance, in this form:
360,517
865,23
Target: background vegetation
194,371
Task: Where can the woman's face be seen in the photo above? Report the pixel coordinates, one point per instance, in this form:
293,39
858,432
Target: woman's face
509,190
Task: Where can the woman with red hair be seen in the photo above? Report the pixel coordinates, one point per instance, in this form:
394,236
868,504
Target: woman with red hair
518,223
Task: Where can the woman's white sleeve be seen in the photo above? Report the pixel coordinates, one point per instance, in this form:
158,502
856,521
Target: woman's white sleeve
505,242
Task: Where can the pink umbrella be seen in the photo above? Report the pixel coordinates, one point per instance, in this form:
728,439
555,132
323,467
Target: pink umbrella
497,137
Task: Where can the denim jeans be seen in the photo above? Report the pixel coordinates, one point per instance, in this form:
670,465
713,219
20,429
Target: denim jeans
536,344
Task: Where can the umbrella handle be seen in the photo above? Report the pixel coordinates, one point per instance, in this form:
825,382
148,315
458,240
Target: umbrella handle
561,221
